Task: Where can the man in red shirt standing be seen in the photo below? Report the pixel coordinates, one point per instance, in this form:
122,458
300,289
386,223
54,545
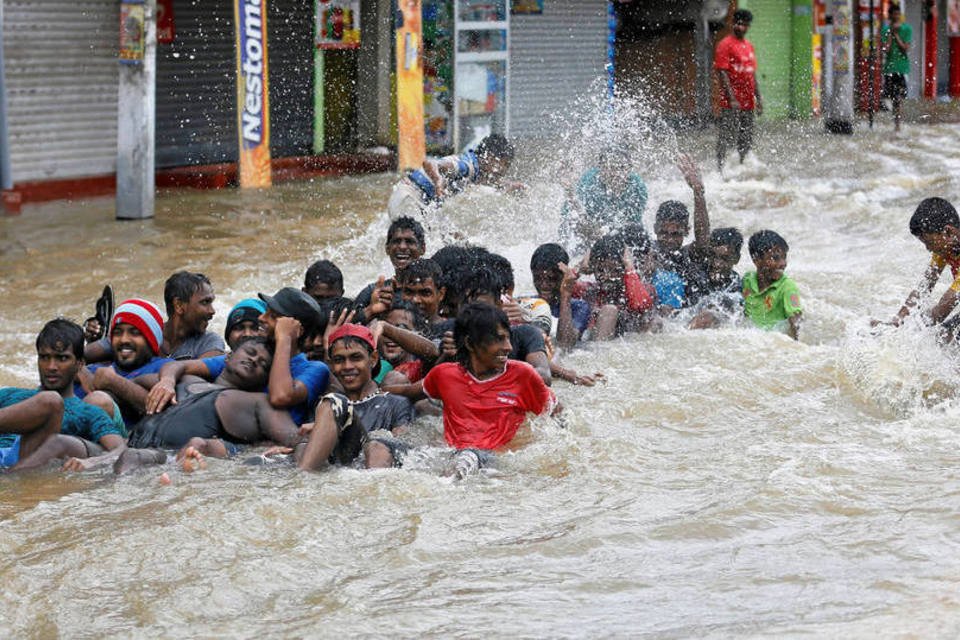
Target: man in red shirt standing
736,67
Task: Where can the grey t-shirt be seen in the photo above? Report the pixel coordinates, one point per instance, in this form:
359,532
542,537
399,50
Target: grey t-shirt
191,348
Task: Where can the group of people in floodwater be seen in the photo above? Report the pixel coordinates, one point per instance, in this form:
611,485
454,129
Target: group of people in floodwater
319,378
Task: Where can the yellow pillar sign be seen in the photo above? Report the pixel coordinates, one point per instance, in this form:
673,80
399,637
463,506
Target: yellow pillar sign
412,145
253,93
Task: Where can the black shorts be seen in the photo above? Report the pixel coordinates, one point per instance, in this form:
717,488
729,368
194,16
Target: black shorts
894,86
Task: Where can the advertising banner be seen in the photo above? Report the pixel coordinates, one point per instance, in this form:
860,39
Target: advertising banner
131,32
412,139
338,24
253,93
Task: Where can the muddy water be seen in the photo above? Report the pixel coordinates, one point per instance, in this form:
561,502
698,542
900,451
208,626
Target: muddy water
723,483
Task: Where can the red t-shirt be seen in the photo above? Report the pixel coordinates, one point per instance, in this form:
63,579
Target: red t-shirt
485,414
737,58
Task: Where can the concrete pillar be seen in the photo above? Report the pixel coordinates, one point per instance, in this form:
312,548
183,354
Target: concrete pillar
136,125
801,59
838,110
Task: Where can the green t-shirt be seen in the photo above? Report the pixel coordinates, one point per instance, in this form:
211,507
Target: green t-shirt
897,61
770,308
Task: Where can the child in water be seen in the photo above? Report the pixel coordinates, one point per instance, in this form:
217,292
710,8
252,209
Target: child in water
771,299
936,224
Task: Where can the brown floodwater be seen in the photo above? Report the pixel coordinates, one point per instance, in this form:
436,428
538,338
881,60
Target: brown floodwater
722,483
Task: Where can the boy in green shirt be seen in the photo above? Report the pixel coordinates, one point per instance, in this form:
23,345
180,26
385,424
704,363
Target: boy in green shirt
895,43
771,299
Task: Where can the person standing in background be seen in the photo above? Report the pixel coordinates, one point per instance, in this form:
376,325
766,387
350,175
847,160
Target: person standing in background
736,65
895,40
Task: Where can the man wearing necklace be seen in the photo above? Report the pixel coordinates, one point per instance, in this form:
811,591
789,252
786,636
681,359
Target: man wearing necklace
363,418
486,396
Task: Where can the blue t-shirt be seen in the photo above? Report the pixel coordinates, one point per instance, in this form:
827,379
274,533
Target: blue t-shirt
467,171
79,418
312,374
153,366
579,310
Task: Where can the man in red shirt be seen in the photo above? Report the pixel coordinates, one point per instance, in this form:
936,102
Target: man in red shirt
486,396
736,67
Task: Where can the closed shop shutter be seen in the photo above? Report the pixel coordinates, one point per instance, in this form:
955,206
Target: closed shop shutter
290,26
61,81
772,34
196,83
196,86
556,58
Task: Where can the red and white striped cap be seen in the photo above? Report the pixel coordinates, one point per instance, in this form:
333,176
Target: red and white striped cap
143,315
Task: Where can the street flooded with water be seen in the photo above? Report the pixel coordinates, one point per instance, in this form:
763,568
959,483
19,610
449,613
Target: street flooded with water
723,483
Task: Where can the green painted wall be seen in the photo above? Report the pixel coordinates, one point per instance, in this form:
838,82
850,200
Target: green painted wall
802,59
771,34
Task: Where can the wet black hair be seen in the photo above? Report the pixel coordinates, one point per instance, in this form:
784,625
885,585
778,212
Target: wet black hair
635,237
419,322
763,241
673,211
267,344
743,16
454,262
61,334
480,280
337,306
476,325
406,223
894,6
181,286
502,267
421,269
325,272
495,146
609,247
546,257
727,237
933,215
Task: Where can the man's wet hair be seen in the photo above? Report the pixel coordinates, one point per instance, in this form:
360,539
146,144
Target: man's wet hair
727,237
406,223
419,322
933,215
61,334
181,286
495,146
502,267
743,16
482,280
476,325
763,241
609,247
673,211
325,272
635,237
421,269
260,340
546,257
454,262
336,306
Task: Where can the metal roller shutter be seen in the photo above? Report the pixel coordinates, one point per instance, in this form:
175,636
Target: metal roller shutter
555,58
196,86
290,31
196,83
61,80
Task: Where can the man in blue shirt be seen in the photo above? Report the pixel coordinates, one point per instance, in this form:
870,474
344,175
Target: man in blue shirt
85,430
295,383
422,189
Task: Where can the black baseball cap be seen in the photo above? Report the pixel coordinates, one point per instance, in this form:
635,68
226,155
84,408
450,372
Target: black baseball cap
294,303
